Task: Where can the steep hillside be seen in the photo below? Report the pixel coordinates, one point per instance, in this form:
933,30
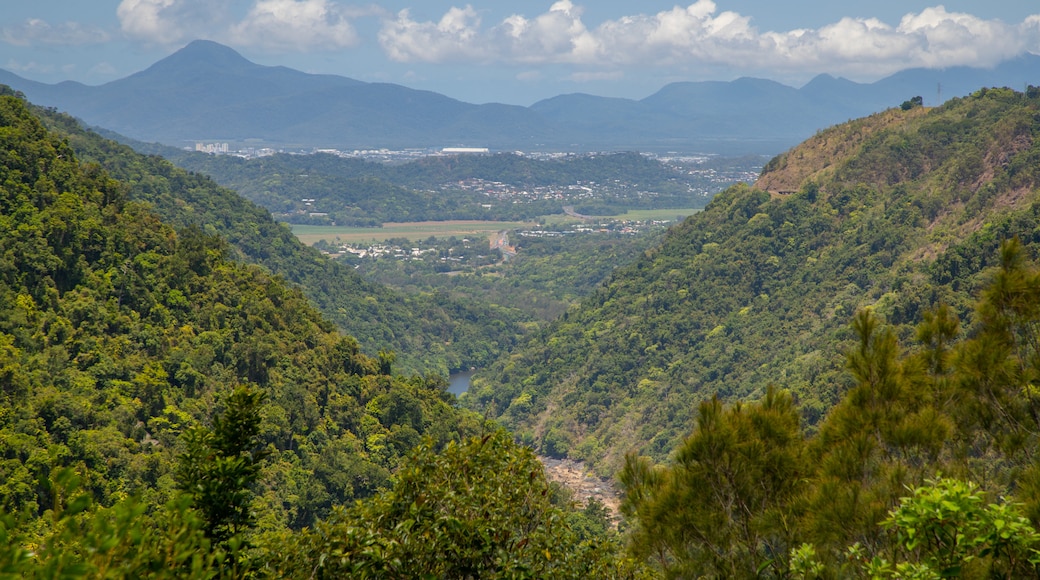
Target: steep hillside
787,172
119,332
897,212
168,412
428,334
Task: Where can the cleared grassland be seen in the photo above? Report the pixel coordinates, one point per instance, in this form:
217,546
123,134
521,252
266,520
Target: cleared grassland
460,228
410,230
676,214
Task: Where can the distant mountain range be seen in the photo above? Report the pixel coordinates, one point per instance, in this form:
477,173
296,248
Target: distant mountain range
209,92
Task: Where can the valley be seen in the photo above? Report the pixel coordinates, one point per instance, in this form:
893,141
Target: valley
631,222
617,365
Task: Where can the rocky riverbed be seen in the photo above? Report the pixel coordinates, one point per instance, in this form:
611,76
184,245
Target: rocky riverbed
585,485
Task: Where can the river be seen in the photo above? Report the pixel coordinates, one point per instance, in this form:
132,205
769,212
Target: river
458,383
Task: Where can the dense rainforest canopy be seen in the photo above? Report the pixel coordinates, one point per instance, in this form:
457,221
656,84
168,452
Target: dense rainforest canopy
120,332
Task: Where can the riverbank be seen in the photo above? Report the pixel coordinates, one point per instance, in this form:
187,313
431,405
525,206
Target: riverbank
585,486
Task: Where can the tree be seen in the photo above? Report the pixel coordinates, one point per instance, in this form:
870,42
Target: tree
127,540
884,435
943,529
947,526
914,102
478,509
724,508
221,465
1001,364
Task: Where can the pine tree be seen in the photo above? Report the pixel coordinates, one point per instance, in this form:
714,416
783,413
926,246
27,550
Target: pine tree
723,510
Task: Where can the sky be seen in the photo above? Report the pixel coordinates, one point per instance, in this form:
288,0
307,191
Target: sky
522,51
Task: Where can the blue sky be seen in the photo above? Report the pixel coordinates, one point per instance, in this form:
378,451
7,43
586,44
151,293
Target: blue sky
522,51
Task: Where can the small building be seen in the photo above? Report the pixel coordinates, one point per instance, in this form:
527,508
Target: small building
465,151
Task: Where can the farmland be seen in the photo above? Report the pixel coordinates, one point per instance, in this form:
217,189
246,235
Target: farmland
410,230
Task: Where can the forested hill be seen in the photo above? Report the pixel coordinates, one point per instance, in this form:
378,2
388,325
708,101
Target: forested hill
167,411
898,212
118,334
432,333
508,168
350,191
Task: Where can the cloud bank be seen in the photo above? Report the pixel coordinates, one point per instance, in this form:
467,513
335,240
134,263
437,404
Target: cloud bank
297,25
35,31
699,36
286,25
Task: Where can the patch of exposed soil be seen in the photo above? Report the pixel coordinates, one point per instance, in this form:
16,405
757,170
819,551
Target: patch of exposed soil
583,483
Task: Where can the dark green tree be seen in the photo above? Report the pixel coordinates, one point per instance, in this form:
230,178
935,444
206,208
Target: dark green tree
478,509
723,510
917,101
222,464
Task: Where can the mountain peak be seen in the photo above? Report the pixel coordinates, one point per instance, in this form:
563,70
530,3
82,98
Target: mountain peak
826,82
203,54
208,47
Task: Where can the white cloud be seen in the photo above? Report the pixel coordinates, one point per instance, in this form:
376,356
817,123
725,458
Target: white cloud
297,24
932,38
700,35
555,36
454,37
29,67
167,22
145,19
953,38
35,31
691,34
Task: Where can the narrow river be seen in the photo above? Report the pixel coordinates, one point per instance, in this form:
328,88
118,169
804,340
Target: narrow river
458,383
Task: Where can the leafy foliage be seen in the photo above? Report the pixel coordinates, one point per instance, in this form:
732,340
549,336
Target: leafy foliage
857,498
478,509
220,467
945,525
126,540
119,334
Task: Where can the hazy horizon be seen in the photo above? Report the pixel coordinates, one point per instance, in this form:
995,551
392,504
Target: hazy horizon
484,52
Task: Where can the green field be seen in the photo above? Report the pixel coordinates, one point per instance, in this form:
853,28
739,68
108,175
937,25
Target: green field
676,214
459,228
411,230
